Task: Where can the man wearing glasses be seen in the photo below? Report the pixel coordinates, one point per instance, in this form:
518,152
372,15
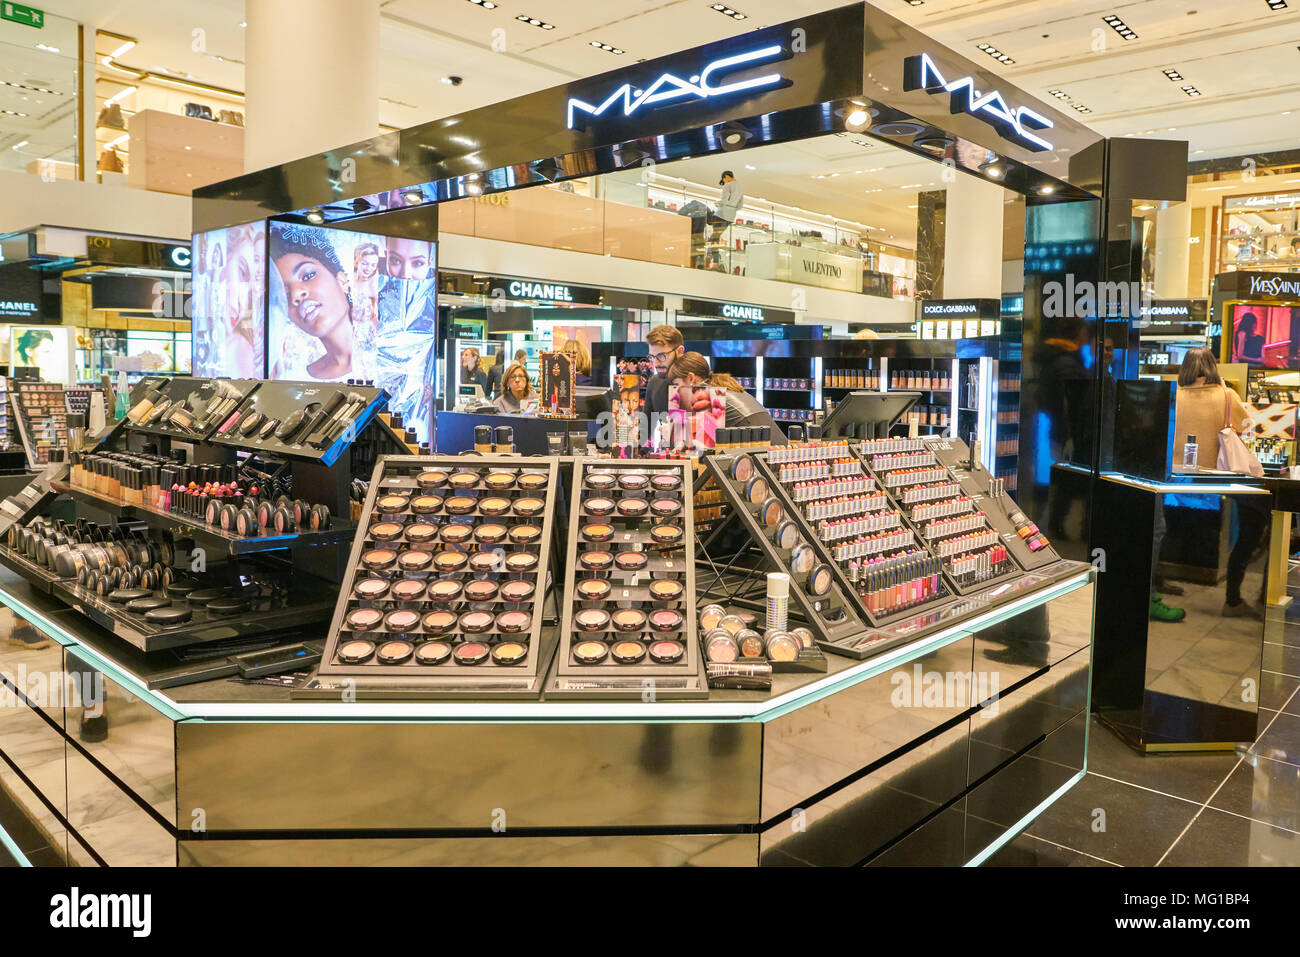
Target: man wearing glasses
665,344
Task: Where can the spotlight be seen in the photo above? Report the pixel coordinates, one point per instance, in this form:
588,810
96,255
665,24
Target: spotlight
856,118
413,197
733,135
315,217
1047,190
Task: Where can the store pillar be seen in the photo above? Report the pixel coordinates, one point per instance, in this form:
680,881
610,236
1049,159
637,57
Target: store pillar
1173,230
312,77
972,266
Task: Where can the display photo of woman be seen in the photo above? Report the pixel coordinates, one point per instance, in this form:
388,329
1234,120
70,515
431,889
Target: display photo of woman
228,296
577,351
311,307
365,295
1247,340
690,374
518,395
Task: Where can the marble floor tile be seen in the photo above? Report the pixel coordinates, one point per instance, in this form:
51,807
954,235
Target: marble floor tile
1219,839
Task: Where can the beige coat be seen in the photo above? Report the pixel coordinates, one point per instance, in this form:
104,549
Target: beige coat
1199,411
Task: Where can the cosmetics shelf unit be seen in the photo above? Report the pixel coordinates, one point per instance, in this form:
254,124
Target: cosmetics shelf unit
40,414
628,614
447,580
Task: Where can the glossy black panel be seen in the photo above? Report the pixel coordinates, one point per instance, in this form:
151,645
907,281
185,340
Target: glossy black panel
936,843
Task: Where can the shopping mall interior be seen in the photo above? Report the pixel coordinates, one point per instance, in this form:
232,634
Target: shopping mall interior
850,435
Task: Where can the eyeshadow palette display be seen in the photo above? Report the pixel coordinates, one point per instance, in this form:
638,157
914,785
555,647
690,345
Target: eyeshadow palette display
184,407
41,417
316,421
628,620
734,639
777,527
951,523
138,585
447,580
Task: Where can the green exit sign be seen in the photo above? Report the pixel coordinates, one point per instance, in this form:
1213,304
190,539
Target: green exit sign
20,13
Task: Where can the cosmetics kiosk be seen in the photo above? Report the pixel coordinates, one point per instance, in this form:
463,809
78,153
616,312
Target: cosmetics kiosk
933,744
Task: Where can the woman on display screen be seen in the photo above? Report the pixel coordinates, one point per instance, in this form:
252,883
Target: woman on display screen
235,301
518,395
365,296
316,301
1247,343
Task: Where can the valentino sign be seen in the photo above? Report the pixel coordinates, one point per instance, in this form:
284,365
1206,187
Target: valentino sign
671,89
920,73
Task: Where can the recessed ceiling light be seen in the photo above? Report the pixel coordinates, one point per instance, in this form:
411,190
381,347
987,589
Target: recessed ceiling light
915,3
606,47
1120,27
728,11
995,53
533,21
18,146
1047,190
1276,4
747,166
485,4
1191,91
1172,74
47,48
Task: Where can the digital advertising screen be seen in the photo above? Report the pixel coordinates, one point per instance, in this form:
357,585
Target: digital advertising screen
1267,336
228,314
44,348
348,305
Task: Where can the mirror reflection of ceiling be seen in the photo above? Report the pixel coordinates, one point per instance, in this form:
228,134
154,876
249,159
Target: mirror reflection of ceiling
1241,58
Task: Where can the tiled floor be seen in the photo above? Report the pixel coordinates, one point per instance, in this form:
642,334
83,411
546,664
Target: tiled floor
1230,809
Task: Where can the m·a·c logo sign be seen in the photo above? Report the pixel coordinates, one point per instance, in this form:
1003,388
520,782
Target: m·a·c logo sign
670,89
1020,124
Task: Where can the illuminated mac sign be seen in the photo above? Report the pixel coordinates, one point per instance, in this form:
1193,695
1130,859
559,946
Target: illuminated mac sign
670,89
920,73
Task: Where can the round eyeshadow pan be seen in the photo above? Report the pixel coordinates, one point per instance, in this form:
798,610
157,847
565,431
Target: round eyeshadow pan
379,558
721,647
431,479
414,560
771,513
532,481
425,504
631,561
593,589
819,580
371,588
633,507
386,531
628,652
495,505
598,532
665,507
480,590
409,589
445,589
460,505
665,482
711,615
751,644
391,503
804,636
756,489
782,646
421,534
394,652
528,507
474,622
517,591
801,559
590,652
633,481
596,561
439,622
525,534
599,507
363,619
450,561
513,622
666,619
742,469
499,480
666,534
456,532
732,624
355,652
600,480
471,653
433,652
401,622
490,534
591,619
666,652
463,480
521,561
666,589
509,653
485,562
628,619
787,535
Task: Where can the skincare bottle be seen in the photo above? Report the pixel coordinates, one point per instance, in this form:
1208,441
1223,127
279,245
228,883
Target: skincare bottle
1189,452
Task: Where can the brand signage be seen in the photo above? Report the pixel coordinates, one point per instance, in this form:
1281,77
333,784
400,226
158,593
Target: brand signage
20,292
137,252
716,78
1019,124
1270,201
1161,312
961,308
1274,287
534,289
736,311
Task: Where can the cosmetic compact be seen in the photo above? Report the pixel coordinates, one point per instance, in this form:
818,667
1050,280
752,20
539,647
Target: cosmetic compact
787,535
631,561
819,580
742,468
750,644
471,653
782,646
593,589
720,646
432,652
711,617
633,507
590,652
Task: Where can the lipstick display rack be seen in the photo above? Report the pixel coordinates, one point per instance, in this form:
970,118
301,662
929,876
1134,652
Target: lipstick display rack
447,582
628,625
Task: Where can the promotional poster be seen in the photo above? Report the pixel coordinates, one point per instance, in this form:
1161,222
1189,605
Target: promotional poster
1266,336
41,347
556,390
697,412
346,305
228,305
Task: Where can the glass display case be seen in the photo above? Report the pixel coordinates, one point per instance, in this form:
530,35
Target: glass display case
1260,232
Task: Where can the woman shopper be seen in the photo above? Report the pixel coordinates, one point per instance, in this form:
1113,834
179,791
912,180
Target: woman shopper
518,394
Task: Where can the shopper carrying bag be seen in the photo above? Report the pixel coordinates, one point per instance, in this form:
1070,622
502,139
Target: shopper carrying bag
1234,456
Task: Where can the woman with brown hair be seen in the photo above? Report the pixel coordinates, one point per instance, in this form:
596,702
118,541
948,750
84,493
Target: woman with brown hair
581,359
691,369
517,394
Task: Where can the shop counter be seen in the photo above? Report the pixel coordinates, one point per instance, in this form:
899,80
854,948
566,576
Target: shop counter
455,430
934,752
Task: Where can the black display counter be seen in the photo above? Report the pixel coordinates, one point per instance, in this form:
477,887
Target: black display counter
456,431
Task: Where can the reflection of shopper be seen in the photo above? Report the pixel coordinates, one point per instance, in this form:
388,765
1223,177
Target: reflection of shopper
518,395
316,300
691,370
1247,343
581,359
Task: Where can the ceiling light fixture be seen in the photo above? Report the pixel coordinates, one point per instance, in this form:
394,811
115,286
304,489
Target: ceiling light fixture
1191,91
315,217
728,12
485,4
18,146
915,3
1047,190
994,52
533,21
1120,27
607,48
1276,4
1172,74
47,48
